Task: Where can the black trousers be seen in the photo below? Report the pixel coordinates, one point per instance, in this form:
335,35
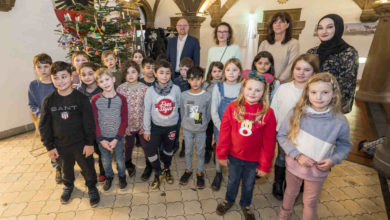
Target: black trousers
69,155
165,137
209,136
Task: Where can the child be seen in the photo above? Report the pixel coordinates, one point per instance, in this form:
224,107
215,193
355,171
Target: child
148,69
308,135
247,141
223,94
37,92
213,76
160,121
78,58
110,112
264,63
181,81
284,100
67,130
109,60
138,56
195,110
134,91
90,88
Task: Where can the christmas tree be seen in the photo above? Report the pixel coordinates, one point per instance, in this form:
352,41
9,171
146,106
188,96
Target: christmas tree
93,28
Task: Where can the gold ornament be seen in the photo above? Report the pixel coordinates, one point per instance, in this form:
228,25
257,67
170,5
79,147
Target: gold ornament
282,1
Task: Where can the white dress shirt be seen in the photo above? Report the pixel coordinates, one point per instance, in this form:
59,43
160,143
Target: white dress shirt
180,46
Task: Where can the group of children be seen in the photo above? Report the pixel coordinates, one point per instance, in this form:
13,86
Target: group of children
244,112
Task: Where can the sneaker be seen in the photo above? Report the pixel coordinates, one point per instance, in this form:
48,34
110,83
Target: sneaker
248,213
102,178
94,197
223,207
184,179
200,180
147,172
168,176
216,185
65,197
156,182
107,183
122,182
58,176
207,156
131,169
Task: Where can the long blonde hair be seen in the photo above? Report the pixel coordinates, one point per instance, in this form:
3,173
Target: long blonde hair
239,114
236,62
303,103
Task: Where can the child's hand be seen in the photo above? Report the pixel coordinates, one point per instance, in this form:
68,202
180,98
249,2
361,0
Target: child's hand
88,150
223,162
147,137
53,154
141,131
106,145
127,132
261,173
305,161
325,165
113,143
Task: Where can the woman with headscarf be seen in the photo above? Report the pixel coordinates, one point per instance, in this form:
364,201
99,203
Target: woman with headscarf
281,45
337,57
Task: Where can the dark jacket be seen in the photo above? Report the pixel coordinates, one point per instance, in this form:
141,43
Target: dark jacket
191,49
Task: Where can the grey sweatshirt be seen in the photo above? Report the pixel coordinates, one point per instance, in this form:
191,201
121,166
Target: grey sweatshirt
195,111
161,110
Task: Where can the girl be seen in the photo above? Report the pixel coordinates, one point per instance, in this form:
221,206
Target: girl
134,91
213,76
264,63
308,135
284,100
224,93
78,58
138,56
247,140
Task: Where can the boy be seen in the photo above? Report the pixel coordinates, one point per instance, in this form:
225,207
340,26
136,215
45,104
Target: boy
181,81
109,60
148,70
90,88
67,128
110,112
195,110
78,58
160,121
37,92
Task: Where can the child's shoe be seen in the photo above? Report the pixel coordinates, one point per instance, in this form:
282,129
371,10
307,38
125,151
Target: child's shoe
102,178
58,176
122,182
147,172
186,176
168,176
156,182
223,207
66,194
94,197
216,185
107,183
200,180
248,213
130,169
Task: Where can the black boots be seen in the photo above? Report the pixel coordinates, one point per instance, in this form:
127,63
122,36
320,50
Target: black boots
279,182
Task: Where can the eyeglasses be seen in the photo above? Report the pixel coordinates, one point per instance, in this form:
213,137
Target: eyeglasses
222,32
182,25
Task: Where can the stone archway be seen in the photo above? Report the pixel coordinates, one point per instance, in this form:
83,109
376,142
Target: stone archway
149,13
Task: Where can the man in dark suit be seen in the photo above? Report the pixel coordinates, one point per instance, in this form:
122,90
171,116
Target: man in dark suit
182,46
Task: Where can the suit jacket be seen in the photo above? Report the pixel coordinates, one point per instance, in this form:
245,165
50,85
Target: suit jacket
191,49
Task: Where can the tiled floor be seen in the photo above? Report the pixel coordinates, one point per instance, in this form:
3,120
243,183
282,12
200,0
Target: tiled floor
28,191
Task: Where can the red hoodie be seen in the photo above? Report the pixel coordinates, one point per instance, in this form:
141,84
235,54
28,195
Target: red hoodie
256,145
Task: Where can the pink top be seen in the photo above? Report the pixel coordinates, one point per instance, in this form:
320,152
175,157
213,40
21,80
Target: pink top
310,174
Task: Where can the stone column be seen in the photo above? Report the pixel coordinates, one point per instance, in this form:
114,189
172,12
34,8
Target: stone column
375,83
194,22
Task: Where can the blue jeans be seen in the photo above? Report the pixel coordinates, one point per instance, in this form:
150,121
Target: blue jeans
119,159
218,167
200,139
245,171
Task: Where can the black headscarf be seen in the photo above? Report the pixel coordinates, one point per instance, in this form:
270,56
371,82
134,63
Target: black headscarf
336,44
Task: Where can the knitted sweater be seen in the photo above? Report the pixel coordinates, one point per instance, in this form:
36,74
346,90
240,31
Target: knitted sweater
222,55
37,92
257,145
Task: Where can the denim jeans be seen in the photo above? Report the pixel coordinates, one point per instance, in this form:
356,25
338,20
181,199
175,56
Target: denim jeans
118,156
218,167
245,171
200,139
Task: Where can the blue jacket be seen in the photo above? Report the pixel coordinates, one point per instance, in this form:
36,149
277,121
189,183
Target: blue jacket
191,49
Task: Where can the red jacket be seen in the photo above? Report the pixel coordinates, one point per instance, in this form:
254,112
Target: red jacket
258,146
